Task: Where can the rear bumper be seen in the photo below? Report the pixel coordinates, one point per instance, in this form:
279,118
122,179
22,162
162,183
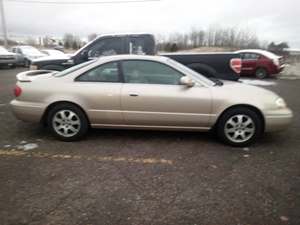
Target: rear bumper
278,121
28,111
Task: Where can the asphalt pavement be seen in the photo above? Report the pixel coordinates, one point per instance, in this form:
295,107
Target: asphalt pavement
147,177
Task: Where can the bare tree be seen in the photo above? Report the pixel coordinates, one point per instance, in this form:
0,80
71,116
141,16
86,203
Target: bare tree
214,36
68,40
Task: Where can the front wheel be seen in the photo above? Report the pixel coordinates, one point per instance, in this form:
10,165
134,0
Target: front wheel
239,127
67,122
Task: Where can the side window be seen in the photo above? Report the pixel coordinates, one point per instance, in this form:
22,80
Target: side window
149,72
250,56
255,56
247,56
105,73
143,45
105,47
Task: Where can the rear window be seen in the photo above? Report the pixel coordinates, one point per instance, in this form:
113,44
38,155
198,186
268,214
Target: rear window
73,68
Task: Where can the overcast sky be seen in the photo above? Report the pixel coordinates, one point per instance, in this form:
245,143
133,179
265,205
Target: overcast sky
271,20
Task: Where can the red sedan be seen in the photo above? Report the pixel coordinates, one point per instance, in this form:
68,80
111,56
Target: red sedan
260,63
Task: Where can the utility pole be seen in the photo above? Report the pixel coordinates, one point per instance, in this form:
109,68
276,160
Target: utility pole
3,22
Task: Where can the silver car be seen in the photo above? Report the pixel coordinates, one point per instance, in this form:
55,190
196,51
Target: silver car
146,92
7,58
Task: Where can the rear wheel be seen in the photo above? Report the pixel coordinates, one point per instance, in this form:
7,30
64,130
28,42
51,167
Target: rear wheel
261,73
67,122
239,127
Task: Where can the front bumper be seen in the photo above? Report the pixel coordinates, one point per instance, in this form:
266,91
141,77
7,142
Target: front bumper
8,62
278,120
28,111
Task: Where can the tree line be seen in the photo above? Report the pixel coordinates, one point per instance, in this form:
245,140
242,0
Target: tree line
214,36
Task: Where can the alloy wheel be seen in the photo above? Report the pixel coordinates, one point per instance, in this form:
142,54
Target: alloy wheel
66,123
239,128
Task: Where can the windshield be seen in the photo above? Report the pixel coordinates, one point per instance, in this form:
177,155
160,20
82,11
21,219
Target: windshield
30,51
73,68
191,72
3,50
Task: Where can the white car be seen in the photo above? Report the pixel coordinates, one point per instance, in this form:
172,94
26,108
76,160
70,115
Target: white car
25,54
7,58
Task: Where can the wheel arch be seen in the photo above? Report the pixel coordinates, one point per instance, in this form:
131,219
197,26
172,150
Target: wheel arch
251,107
53,104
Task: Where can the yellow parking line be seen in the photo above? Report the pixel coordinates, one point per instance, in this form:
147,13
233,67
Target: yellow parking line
46,155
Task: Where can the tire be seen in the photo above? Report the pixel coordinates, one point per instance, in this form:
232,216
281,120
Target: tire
67,122
261,73
239,127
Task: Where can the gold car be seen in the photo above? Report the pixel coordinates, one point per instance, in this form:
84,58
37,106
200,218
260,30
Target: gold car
146,92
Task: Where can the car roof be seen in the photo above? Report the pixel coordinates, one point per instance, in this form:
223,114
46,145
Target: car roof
259,51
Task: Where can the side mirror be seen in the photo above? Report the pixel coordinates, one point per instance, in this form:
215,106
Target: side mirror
187,81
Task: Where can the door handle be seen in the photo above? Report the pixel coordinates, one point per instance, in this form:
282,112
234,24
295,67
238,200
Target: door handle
133,95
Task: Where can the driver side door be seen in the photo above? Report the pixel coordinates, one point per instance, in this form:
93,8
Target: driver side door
152,96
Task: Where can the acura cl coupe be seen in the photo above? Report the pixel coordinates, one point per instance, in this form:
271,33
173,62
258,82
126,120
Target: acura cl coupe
146,92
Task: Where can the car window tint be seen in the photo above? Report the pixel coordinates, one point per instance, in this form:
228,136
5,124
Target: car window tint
105,73
148,72
250,56
255,56
105,47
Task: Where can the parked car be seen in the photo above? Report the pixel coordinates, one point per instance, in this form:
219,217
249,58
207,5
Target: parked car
225,66
148,92
260,63
218,65
53,52
7,58
25,54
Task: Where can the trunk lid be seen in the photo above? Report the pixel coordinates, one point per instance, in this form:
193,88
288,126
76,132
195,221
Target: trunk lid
29,76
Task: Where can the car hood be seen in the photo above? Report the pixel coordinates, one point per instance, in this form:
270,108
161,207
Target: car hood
52,58
232,93
247,89
34,56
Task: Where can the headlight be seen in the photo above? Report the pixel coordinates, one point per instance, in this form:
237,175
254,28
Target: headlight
280,103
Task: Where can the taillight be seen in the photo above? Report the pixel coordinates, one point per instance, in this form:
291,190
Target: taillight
17,91
236,65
